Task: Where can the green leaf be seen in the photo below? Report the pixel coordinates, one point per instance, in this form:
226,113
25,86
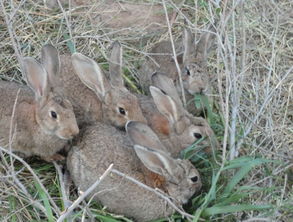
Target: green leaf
234,208
69,43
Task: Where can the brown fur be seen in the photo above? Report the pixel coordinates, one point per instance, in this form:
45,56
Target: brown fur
81,76
193,66
175,135
33,129
102,145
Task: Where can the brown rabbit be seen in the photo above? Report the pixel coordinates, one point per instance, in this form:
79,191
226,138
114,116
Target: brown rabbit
94,98
192,63
103,145
176,128
44,120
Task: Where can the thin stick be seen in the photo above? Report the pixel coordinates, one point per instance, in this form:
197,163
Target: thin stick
19,184
174,54
10,31
157,192
84,195
35,176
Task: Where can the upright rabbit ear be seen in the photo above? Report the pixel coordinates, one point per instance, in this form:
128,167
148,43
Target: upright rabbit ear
50,60
165,104
156,161
36,76
204,45
143,135
166,84
189,47
116,65
90,74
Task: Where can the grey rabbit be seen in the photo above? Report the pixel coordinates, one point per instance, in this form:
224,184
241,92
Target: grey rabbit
146,162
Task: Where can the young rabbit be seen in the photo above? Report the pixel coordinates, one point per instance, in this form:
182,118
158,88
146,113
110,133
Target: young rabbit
43,121
176,128
147,162
94,98
193,66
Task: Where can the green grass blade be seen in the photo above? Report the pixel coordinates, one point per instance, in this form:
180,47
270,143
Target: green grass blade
46,202
234,208
12,206
105,218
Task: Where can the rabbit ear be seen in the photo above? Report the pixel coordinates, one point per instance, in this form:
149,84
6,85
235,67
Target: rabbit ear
156,161
204,44
90,74
50,60
143,135
166,84
188,43
36,76
116,65
165,104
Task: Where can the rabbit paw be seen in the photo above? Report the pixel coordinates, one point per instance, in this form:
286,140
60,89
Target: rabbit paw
55,157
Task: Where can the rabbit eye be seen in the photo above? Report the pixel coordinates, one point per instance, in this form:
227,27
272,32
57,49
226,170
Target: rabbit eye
194,179
187,71
122,111
197,135
53,114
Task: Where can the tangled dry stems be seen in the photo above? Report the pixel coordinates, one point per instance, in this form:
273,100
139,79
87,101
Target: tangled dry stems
250,68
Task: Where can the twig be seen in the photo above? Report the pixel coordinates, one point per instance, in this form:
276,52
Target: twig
84,195
20,185
57,211
11,134
10,31
174,54
157,192
66,18
62,185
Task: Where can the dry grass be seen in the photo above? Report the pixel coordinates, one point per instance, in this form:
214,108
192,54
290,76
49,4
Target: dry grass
250,68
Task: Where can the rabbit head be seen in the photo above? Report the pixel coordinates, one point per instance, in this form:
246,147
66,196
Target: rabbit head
182,179
54,113
118,104
183,129
194,72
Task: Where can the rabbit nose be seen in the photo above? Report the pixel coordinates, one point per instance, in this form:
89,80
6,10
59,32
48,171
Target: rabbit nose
74,130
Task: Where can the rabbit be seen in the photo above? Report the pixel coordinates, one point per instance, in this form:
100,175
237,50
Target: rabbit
93,97
144,160
192,63
176,128
44,120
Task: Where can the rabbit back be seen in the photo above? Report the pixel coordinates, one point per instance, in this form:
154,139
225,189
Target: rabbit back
161,60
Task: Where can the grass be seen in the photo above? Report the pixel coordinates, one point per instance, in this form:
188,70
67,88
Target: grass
250,66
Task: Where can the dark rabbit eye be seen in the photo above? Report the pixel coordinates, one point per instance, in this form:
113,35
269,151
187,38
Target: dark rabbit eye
194,179
187,71
197,135
53,115
122,111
